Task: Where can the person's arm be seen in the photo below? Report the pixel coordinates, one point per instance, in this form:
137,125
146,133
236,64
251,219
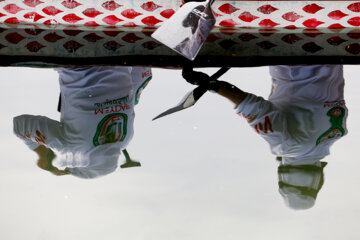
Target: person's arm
140,76
229,91
38,130
39,133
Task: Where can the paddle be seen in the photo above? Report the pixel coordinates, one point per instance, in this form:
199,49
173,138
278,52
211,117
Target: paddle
192,97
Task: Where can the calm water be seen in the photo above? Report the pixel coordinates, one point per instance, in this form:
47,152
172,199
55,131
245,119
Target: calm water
205,174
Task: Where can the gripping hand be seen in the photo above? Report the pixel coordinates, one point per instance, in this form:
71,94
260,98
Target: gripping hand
200,79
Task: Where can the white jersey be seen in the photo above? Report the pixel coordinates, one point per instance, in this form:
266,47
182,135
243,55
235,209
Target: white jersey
97,116
305,113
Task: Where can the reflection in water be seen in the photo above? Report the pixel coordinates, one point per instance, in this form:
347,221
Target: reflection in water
300,184
97,116
304,116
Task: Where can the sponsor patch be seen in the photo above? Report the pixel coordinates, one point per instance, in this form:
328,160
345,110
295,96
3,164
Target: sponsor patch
110,129
336,130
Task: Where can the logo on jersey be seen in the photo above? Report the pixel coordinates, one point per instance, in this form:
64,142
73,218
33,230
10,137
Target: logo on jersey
110,129
336,130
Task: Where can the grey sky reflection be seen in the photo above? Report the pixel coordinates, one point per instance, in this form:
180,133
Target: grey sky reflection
205,173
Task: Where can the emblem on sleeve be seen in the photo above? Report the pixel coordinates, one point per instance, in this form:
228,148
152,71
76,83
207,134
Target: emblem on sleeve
140,89
336,130
110,129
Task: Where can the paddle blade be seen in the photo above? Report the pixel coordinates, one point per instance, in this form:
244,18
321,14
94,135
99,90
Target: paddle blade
186,31
189,100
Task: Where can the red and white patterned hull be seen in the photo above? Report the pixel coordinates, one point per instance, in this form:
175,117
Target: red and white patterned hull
97,29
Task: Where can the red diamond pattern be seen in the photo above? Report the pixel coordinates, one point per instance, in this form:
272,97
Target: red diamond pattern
71,18
111,33
291,38
52,37
355,21
311,47
247,17
112,20
354,34
267,23
313,33
71,4
212,38
227,44
34,32
92,37
131,38
312,8
72,46
151,45
51,10
266,45
91,12
130,25
336,26
12,8
33,15
246,37
72,32
167,13
14,38
34,46
267,9
353,48
228,23
355,7
150,21
227,8
130,13
112,45
291,16
336,40
110,5
32,3
150,6
51,22
337,15
312,23
91,24
266,32
13,20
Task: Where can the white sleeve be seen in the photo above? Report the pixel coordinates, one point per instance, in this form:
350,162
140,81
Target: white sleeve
266,119
38,130
141,76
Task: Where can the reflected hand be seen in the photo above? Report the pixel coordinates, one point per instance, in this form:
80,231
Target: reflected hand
193,77
46,156
201,79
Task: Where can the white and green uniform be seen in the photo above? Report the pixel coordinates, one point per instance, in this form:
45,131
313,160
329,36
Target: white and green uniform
305,113
97,116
